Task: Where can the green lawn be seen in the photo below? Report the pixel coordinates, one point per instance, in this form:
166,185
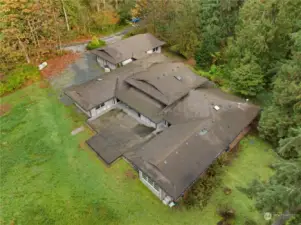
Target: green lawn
51,177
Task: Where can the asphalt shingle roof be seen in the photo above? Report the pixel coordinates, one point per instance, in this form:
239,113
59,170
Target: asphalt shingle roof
204,120
166,82
132,47
180,154
94,92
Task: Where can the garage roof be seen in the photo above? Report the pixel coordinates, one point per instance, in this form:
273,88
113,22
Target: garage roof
132,47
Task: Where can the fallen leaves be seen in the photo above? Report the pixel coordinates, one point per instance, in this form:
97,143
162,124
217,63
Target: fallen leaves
58,64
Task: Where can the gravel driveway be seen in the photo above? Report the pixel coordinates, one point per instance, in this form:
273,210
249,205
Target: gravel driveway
81,71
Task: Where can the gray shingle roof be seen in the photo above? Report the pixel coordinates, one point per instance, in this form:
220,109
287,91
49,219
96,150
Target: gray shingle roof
179,155
141,102
204,120
101,89
200,103
166,82
132,47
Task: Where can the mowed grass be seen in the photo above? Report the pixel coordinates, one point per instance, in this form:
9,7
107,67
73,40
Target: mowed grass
49,176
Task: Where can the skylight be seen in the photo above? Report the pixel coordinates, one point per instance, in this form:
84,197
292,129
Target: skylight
203,132
179,78
216,107
99,79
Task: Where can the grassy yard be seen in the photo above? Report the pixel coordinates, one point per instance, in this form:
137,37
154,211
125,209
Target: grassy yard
51,177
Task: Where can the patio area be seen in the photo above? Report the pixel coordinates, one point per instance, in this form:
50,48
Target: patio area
117,133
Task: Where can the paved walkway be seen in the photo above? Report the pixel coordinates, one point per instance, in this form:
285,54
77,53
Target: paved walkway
117,134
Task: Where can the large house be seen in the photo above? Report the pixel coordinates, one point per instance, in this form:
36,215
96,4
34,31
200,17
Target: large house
196,121
125,51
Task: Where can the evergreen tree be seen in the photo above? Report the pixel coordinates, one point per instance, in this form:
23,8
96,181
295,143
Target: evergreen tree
285,110
264,32
281,194
217,21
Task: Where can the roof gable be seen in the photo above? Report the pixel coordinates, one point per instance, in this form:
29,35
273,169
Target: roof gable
166,82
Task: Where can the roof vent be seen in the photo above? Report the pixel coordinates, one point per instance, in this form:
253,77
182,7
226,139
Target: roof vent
179,78
216,107
203,132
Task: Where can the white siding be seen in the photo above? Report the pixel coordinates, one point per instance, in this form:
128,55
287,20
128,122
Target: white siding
126,62
150,51
111,66
154,50
156,191
137,116
128,110
104,107
102,62
147,121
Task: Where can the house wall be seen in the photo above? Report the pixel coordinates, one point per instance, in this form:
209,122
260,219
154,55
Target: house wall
102,62
100,110
137,116
158,192
127,61
147,121
150,51
157,50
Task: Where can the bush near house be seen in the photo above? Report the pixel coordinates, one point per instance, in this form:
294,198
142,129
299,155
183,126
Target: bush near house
17,77
202,190
95,43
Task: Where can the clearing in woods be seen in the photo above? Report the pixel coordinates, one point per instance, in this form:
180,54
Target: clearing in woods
49,176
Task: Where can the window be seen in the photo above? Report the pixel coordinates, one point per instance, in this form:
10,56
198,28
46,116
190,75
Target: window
203,132
156,187
150,182
216,107
179,78
101,105
144,176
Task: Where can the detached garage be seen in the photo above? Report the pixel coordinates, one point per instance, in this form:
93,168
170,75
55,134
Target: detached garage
126,51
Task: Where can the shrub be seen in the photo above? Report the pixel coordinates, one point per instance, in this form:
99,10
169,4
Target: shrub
226,212
95,43
17,77
201,191
223,222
